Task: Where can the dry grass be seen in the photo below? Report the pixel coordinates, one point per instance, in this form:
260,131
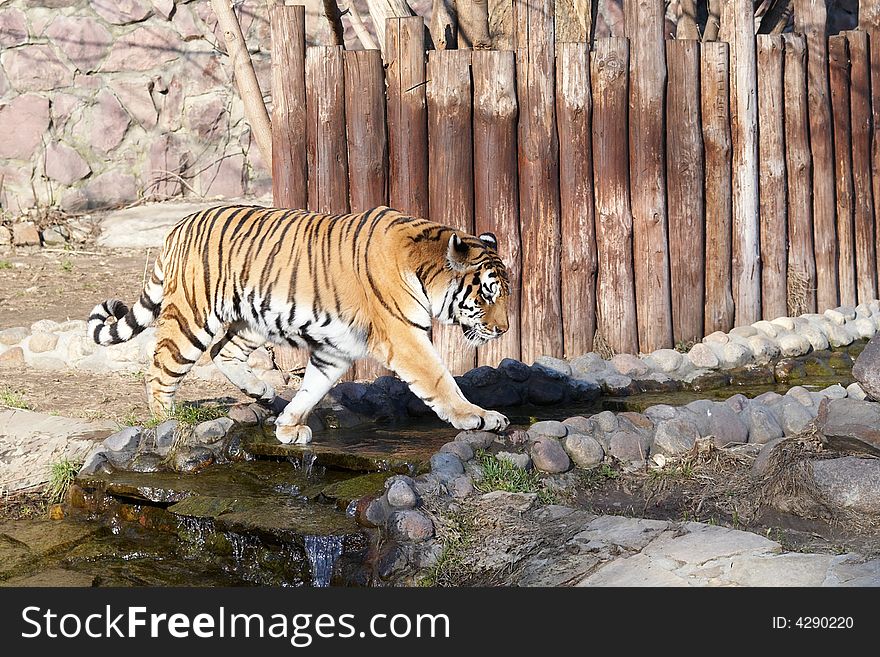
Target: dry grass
602,347
798,287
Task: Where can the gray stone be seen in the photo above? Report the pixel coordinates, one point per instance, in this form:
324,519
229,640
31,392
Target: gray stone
515,370
665,360
717,337
629,365
96,458
802,395
725,426
866,370
589,365
410,525
659,412
851,425
126,440
617,384
850,482
550,428
627,446
460,448
551,364
606,420
44,326
25,233
854,391
737,403
762,461
734,354
675,436
477,439
584,450
400,495
762,423
818,340
766,328
110,188
835,391
212,430
744,331
429,483
548,455
835,316
374,512
13,336
579,424
792,344
165,435
863,327
764,350
460,486
702,356
192,459
521,461
768,398
444,463
793,416
55,236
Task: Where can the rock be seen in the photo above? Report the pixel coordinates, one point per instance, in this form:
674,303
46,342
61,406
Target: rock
802,395
766,328
762,423
584,450
627,446
521,461
164,436
515,370
126,440
192,459
25,233
675,436
817,339
83,40
400,495
550,428
767,398
734,355
850,482
44,326
866,370
460,448
224,178
35,67
738,402
702,356
863,327
13,336
5,235
243,414
109,122
851,425
761,463
54,236
142,49
477,439
548,455
42,342
163,7
551,364
13,28
94,460
212,430
665,360
121,12
725,426
136,98
763,350
372,511
632,421
835,316
606,421
579,424
460,486
410,525
110,188
616,384
447,464
744,331
12,358
854,391
629,365
545,392
589,365
717,337
792,344
793,416
835,391
659,412
64,164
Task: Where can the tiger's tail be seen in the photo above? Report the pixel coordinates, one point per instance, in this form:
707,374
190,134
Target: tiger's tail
128,322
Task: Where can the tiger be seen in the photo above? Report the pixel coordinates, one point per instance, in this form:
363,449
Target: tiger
343,287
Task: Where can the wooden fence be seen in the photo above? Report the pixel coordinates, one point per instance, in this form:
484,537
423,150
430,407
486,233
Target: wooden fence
644,191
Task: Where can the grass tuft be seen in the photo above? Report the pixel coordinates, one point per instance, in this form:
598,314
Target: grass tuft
13,399
5,264
499,474
185,414
61,475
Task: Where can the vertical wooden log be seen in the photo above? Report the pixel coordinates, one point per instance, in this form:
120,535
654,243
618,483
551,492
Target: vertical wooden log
801,278
325,106
367,148
715,106
645,22
861,114
772,177
289,163
289,134
451,172
869,15
744,133
541,319
615,294
874,37
578,258
838,55
811,21
496,192
684,177
407,115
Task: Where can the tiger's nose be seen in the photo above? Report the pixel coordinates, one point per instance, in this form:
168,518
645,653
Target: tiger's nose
501,329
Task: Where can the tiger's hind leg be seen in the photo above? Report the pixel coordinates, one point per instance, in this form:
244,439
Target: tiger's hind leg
230,354
322,373
180,342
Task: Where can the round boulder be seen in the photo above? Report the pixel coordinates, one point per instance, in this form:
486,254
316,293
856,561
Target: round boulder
548,455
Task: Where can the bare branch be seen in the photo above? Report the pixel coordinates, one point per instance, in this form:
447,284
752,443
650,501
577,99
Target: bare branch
334,17
357,23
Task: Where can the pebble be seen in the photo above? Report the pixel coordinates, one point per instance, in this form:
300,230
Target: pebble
400,495
460,448
548,455
212,430
448,464
584,450
410,525
477,439
548,428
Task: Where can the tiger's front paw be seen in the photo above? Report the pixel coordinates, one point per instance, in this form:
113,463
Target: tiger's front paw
293,434
480,419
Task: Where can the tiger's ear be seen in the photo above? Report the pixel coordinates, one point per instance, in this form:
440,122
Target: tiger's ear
490,240
457,253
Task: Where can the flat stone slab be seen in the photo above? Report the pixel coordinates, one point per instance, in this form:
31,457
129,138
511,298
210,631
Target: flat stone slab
851,424
25,542
52,578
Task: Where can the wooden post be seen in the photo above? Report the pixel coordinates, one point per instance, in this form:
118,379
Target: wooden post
407,116
869,15
289,141
838,55
325,106
874,37
289,164
541,320
645,24
615,294
496,192
744,133
715,106
684,176
801,260
451,172
810,20
367,148
861,114
772,176
574,109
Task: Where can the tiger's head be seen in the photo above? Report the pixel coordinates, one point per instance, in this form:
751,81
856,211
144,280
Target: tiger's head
477,295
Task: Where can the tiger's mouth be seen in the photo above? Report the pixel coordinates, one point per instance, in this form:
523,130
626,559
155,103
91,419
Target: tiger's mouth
477,335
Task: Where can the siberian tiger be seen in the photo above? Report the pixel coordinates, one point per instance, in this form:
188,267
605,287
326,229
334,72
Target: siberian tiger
344,287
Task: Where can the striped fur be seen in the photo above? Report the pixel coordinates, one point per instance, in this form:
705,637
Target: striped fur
343,287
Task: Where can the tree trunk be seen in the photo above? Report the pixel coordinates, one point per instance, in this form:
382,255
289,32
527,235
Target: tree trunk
775,20
687,22
334,17
382,10
473,24
713,20
444,24
357,23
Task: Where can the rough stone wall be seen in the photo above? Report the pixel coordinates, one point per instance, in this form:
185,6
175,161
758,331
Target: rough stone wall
103,102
